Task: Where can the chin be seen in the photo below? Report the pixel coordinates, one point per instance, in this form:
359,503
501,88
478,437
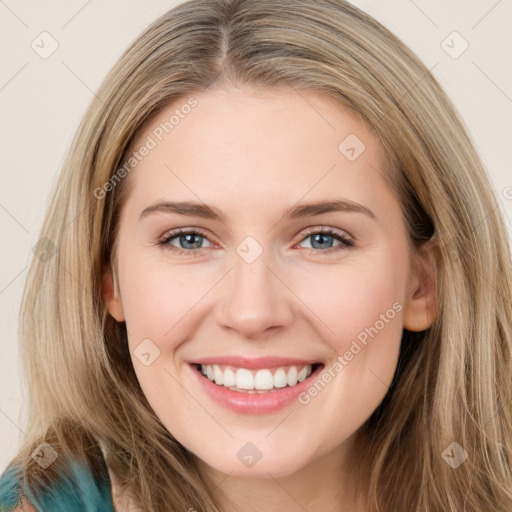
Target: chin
276,464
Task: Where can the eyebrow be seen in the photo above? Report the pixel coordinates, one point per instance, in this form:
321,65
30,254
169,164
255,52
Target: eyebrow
295,212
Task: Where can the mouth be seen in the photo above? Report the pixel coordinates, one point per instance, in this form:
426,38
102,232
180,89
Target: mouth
254,385
257,381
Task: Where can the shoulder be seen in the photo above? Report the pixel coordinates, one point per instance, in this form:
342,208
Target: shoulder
10,489
72,489
24,506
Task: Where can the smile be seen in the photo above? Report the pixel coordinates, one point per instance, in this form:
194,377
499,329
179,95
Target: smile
245,380
266,387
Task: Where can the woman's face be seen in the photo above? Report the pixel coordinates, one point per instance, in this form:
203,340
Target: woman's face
259,295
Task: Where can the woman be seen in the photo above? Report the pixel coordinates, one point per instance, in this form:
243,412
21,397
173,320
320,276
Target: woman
186,351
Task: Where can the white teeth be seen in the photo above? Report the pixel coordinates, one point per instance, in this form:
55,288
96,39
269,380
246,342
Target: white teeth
219,376
302,374
229,378
292,376
280,380
244,379
240,379
263,380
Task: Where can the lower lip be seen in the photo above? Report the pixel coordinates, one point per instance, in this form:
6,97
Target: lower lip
254,403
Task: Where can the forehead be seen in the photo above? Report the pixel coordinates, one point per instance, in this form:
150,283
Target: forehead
258,144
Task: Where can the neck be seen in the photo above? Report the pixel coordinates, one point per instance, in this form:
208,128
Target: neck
323,484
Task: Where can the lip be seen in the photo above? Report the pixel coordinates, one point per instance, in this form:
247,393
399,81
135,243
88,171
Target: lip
255,363
253,403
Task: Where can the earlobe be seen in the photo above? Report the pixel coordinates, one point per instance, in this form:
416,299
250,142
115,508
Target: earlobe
111,296
421,302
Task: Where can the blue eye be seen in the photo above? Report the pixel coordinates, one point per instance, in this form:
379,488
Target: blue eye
322,239
190,241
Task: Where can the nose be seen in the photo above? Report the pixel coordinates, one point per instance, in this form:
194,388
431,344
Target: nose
256,299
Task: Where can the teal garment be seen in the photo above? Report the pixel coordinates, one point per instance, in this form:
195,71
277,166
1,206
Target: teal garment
76,493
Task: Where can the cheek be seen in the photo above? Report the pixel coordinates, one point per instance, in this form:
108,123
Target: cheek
157,301
157,296
353,297
360,308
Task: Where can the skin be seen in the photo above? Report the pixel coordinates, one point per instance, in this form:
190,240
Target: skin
253,153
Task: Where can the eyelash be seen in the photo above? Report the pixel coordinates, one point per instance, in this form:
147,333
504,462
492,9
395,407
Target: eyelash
345,242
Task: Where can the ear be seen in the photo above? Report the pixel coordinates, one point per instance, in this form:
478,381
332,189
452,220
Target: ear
421,303
111,296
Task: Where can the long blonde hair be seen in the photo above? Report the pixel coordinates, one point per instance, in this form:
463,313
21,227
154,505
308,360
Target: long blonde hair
453,382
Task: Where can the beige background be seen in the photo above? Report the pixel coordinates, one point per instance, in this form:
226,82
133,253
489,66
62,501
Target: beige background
42,101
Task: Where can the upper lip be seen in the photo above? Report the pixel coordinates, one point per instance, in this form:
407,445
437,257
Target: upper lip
254,362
